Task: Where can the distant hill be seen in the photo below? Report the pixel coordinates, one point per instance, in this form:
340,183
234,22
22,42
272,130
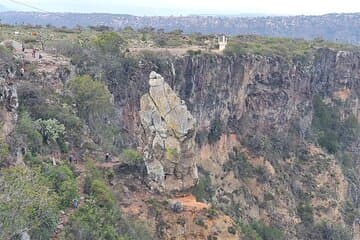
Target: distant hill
333,27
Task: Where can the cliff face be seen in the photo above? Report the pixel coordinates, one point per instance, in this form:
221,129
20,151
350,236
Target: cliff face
261,109
259,137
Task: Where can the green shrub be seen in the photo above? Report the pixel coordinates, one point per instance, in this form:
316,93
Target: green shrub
94,105
109,42
288,49
96,187
64,146
350,213
305,213
199,221
26,203
91,96
329,141
333,134
4,151
267,232
216,128
102,194
232,230
131,156
26,127
194,52
68,192
64,183
268,196
249,233
203,190
94,222
50,129
5,54
328,231
172,154
239,164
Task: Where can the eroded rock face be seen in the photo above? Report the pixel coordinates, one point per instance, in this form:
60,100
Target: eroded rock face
168,138
8,96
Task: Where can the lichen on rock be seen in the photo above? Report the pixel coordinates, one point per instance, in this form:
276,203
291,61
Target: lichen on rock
169,138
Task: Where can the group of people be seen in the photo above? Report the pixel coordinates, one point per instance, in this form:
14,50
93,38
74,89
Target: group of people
33,53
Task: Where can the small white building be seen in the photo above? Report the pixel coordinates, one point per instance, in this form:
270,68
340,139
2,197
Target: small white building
222,41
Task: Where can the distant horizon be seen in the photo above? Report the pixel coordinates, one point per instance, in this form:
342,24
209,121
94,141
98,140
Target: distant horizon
186,7
250,15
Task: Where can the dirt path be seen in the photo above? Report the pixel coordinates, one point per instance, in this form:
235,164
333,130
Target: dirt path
189,202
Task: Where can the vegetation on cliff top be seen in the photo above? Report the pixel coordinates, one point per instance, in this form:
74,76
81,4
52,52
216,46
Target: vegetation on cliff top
289,49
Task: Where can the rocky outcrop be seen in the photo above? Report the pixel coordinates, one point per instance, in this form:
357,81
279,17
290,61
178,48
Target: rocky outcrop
168,138
9,104
8,96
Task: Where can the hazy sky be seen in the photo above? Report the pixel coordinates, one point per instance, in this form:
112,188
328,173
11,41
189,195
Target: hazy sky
184,7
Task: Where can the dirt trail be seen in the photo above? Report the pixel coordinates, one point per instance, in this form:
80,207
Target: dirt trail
189,202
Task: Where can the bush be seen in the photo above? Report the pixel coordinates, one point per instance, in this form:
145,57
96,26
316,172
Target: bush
101,194
94,222
27,128
194,52
216,128
249,233
199,221
5,54
96,187
333,134
350,213
232,230
131,156
239,164
172,154
50,129
305,212
268,196
26,203
4,151
64,183
92,97
267,232
203,190
109,42
327,231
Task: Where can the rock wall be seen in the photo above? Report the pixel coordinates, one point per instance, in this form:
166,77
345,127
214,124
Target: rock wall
9,105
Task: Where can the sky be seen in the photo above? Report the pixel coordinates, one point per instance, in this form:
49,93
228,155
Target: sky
186,7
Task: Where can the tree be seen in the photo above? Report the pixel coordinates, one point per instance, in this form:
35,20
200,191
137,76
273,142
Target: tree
26,204
27,129
109,42
92,97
